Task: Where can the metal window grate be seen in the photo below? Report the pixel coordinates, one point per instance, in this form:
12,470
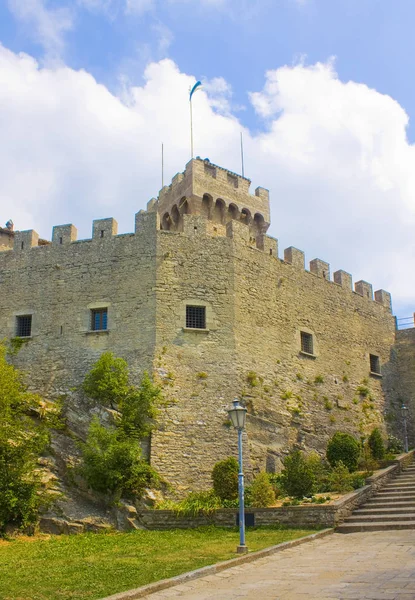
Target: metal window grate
374,364
24,326
307,343
99,319
196,317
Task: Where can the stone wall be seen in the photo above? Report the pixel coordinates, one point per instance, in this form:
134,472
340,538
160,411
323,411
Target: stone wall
256,303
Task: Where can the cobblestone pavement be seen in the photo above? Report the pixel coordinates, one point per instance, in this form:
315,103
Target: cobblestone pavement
377,566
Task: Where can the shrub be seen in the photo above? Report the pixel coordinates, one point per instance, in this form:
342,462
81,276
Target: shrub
366,461
113,463
225,478
138,409
357,480
297,477
262,492
376,444
23,438
198,503
107,381
340,479
320,470
345,448
395,446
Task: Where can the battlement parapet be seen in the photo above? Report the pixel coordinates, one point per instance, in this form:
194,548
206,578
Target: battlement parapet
363,288
320,268
221,195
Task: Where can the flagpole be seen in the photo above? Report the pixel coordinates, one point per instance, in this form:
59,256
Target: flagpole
242,156
162,165
191,128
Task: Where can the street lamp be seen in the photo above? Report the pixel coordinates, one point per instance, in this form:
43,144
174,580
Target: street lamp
237,416
404,410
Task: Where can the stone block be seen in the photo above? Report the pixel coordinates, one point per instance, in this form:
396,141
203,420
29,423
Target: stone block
320,268
343,278
364,289
104,228
295,257
384,298
237,231
268,244
194,225
24,240
64,234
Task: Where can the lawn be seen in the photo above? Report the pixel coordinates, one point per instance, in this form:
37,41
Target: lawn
91,566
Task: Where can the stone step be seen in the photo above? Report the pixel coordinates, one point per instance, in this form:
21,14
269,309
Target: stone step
391,510
357,518
379,503
399,488
383,493
367,526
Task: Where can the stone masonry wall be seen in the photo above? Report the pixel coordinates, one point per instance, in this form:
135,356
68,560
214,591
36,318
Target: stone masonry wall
256,307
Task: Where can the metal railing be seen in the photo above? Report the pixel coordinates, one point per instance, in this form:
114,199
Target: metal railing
405,322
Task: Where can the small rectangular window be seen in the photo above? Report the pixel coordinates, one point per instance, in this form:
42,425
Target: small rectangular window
99,319
374,364
196,317
307,343
24,326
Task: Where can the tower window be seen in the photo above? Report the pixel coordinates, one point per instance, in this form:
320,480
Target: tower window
24,326
196,317
307,343
374,364
99,319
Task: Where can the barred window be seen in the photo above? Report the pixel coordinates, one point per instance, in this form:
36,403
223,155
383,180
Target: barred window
307,343
374,364
99,319
24,326
196,317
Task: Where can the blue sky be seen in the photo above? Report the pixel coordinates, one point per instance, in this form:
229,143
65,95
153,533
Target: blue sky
322,89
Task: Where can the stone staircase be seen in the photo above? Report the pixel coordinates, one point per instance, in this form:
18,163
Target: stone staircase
392,507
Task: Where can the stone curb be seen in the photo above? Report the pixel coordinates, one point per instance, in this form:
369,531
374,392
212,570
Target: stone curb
163,584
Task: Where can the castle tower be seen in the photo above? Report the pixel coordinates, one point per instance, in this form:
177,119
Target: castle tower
220,195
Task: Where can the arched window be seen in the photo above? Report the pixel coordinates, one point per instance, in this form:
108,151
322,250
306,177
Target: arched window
246,216
175,217
259,223
184,206
233,212
219,211
207,202
166,222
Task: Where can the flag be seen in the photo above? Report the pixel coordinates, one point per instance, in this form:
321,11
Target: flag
196,86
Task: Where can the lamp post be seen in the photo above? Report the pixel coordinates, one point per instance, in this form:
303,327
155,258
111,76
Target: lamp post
237,416
404,410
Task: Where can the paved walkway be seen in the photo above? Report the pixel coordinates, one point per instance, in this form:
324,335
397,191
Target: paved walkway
376,566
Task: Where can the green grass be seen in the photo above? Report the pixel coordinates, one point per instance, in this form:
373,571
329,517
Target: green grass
91,566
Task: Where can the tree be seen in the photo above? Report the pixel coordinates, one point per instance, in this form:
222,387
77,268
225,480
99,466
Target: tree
23,437
376,444
139,408
107,381
345,448
297,476
111,462
225,478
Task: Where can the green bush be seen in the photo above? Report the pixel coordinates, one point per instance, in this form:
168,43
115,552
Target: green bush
395,446
345,448
320,470
297,477
376,444
262,492
112,463
340,479
23,438
225,478
107,381
138,408
357,480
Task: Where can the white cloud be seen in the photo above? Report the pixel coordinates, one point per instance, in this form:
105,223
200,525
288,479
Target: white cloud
138,7
47,25
334,155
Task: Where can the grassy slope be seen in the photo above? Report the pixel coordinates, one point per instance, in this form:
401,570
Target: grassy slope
92,566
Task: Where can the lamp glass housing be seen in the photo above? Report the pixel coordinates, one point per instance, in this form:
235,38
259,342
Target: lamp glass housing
237,415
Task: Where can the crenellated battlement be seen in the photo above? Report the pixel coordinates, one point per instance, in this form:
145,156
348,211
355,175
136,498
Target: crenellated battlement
106,230
217,193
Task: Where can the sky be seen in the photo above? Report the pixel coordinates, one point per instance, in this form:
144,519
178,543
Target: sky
322,91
